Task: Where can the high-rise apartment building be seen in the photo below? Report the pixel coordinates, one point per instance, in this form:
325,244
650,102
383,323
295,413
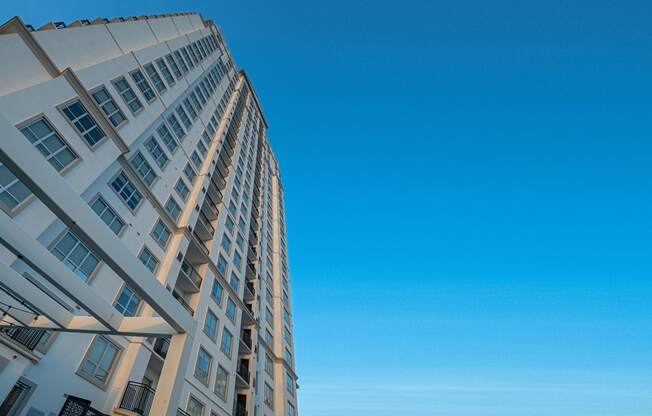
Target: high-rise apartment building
143,257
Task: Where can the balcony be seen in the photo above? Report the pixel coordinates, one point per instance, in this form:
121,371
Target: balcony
222,166
251,255
250,290
26,337
248,315
189,280
203,228
137,398
209,208
245,342
240,410
214,190
243,377
161,346
250,272
182,301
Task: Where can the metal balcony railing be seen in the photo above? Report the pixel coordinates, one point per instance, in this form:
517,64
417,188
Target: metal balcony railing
243,370
28,338
188,271
182,413
137,398
183,302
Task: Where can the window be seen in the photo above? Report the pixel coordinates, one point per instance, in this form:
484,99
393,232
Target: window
189,172
155,78
127,191
173,208
157,152
195,101
184,117
196,159
230,309
107,214
230,225
269,316
148,259
128,95
201,96
190,108
75,255
237,259
288,356
202,149
109,107
143,85
195,407
210,325
239,240
227,342
221,382
269,365
99,360
182,63
226,243
166,136
174,66
127,302
269,338
182,189
234,282
232,208
290,410
242,224
162,66
268,396
286,335
161,233
176,127
203,366
216,292
83,122
187,56
143,168
289,383
221,265
41,134
286,315
12,191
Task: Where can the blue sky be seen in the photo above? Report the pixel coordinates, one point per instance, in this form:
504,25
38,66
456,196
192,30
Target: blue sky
468,197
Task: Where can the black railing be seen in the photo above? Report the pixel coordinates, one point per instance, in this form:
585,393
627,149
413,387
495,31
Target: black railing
138,398
28,338
246,337
191,273
161,346
251,287
243,370
182,413
183,302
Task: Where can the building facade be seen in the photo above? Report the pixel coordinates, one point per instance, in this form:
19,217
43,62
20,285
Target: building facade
143,257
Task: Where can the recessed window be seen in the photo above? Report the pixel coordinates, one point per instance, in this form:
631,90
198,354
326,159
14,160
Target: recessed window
143,85
127,302
156,152
12,191
289,384
161,233
221,382
173,208
184,117
269,365
166,137
174,66
148,259
226,243
109,107
202,149
268,396
195,407
290,410
189,172
201,96
107,214
162,66
288,356
287,336
196,159
227,342
182,63
83,122
190,108
237,259
195,101
210,325
187,57
176,127
99,361
75,255
230,309
221,265
155,78
182,189
216,292
128,95
230,225
232,208
41,134
234,282
143,168
127,191
203,366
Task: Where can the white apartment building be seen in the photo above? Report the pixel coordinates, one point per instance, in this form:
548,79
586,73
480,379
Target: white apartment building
143,257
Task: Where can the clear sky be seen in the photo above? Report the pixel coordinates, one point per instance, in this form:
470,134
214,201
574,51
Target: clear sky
468,197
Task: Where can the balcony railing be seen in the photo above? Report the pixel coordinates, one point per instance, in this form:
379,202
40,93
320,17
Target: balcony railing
183,302
182,413
138,398
243,370
28,338
205,233
190,273
245,336
250,290
161,346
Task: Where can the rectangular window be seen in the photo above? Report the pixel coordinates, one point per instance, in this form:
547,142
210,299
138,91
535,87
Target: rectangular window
269,338
184,117
203,366
195,407
143,168
210,325
75,255
162,66
173,208
237,260
109,107
83,122
155,78
195,101
268,396
286,335
226,243
182,63
202,149
196,159
56,151
239,240
189,172
128,95
174,66
289,384
190,108
12,191
288,356
221,382
107,214
127,191
143,85
187,57
234,282
221,265
182,189
99,360
290,410
148,259
230,309
201,96
216,292
232,208
230,225
227,342
166,137
176,127
156,152
127,302
269,365
161,233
